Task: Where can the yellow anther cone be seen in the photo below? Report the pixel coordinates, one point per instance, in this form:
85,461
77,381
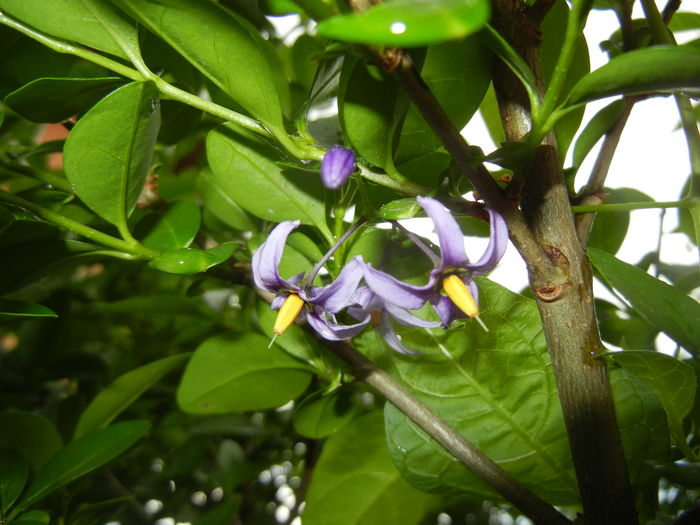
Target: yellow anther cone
460,295
288,312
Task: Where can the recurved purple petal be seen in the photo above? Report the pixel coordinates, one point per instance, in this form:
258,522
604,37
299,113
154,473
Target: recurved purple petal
266,258
498,243
446,310
339,294
395,291
408,319
331,330
450,236
386,330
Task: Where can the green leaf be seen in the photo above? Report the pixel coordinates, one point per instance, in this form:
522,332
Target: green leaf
671,380
400,209
244,168
115,398
56,99
598,126
230,52
22,264
369,107
655,69
165,303
187,261
33,517
322,414
176,227
511,58
237,372
409,23
83,455
15,472
18,226
65,19
610,228
660,304
13,310
220,204
354,482
31,435
122,29
108,153
497,389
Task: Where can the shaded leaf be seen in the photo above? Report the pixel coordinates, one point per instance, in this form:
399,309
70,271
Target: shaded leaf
237,372
81,456
15,472
31,435
115,398
221,205
322,414
33,517
662,69
408,23
13,310
355,483
108,153
186,261
56,99
659,303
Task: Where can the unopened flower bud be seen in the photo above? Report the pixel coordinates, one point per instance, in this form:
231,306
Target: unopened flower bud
336,167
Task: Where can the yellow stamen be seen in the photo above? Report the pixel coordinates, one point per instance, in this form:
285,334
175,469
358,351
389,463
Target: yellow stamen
460,295
288,312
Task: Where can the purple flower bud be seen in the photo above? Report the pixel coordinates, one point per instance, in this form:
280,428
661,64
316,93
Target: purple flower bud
336,167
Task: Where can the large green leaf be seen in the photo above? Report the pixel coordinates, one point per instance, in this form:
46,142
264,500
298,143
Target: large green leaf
497,389
671,380
221,205
321,414
119,26
659,303
187,261
108,153
67,19
354,482
15,472
116,397
408,23
237,372
13,310
244,168
224,47
30,435
655,69
56,99
175,227
81,456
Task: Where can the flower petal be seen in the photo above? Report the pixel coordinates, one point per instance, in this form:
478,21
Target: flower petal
267,258
386,330
446,310
336,167
450,236
408,319
339,294
332,330
498,243
398,292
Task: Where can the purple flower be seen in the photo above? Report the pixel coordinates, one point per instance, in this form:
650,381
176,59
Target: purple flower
336,167
454,273
371,307
318,304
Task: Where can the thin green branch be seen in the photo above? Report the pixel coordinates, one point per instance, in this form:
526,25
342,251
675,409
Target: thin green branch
44,176
631,206
133,248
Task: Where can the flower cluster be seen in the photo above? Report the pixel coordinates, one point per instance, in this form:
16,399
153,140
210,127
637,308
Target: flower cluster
382,298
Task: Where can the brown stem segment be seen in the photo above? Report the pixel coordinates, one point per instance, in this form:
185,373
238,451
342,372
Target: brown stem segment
484,467
565,300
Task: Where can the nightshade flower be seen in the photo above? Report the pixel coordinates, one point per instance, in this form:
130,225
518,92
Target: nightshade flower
336,167
293,297
454,272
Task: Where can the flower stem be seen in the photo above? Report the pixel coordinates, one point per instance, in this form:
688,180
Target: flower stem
312,275
631,206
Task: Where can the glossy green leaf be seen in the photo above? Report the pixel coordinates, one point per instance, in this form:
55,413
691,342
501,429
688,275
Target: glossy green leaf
231,53
671,380
237,372
18,226
409,23
220,204
610,228
655,69
15,472
24,263
33,517
659,303
31,435
596,128
322,414
108,153
400,209
13,310
83,455
497,389
369,107
354,482
553,30
119,26
511,58
245,169
176,227
186,261
56,99
67,19
115,398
